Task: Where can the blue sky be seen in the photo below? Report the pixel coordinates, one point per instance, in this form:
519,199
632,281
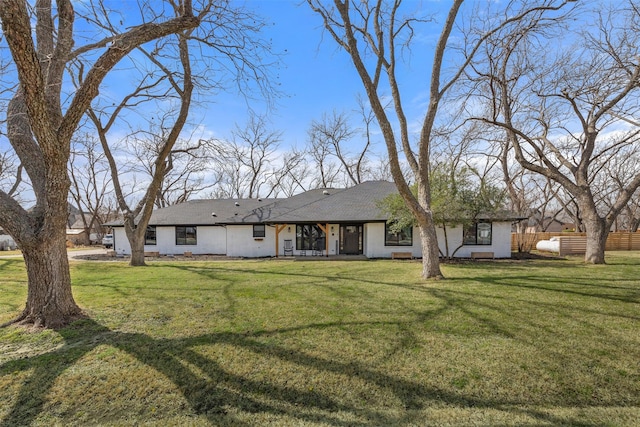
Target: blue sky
316,77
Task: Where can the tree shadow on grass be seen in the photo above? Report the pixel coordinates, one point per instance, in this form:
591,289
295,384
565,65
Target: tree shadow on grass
573,286
308,277
617,292
215,392
11,263
473,305
211,397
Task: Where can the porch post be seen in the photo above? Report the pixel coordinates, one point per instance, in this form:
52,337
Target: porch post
326,241
279,228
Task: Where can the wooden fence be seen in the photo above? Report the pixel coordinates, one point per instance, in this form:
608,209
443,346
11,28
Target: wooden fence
617,241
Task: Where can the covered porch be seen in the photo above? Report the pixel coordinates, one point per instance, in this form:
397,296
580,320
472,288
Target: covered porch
318,239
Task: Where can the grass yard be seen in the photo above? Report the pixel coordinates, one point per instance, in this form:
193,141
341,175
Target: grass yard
363,343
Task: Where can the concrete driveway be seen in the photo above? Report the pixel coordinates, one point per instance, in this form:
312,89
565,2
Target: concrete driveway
73,254
76,254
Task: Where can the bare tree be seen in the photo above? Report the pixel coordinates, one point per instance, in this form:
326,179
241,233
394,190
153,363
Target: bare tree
40,130
10,175
631,216
188,173
334,135
90,185
327,170
342,154
229,37
290,177
137,218
375,34
568,115
252,165
615,177
529,194
188,165
372,166
543,197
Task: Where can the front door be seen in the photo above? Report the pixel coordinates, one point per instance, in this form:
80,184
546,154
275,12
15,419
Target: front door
351,239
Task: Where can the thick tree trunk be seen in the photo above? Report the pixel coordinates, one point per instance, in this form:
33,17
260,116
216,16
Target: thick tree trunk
136,241
137,253
86,239
430,252
597,234
40,135
50,302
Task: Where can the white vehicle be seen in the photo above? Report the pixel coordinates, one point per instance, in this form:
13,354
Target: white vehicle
107,241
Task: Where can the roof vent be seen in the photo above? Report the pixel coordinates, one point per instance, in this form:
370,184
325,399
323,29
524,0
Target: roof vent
237,204
259,199
325,192
213,214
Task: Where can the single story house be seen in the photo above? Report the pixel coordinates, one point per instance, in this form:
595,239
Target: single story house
76,232
77,236
320,222
548,225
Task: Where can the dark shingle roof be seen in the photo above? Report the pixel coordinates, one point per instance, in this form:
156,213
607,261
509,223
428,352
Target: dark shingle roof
359,203
201,212
355,204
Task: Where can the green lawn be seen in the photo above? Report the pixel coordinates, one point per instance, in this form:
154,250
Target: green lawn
244,343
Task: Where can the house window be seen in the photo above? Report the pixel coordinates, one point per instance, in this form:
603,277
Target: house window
259,230
186,235
477,233
150,235
309,237
403,238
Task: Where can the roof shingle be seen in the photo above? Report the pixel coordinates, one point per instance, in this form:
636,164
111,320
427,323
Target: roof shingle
358,204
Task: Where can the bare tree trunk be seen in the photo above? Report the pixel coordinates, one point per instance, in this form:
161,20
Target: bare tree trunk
137,252
597,234
50,301
40,134
135,235
524,240
428,236
430,260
